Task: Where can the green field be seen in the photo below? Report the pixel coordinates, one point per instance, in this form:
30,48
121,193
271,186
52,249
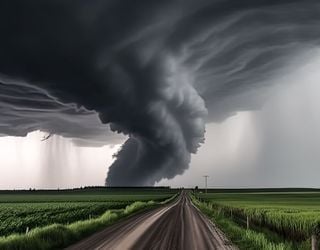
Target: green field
20,210
291,216
86,195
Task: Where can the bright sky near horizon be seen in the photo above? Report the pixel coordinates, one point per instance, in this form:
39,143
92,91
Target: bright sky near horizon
28,162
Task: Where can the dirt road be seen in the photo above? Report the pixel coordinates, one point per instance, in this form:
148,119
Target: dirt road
179,225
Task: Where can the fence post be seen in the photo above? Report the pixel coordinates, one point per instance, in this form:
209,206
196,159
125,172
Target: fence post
314,242
27,230
248,222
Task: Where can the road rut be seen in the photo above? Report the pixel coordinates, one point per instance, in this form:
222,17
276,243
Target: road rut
179,226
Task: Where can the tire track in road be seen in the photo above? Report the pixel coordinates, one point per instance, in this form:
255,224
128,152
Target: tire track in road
179,225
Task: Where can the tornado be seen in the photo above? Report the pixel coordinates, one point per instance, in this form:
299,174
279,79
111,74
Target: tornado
165,125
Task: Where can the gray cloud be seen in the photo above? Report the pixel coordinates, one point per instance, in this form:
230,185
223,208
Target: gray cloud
153,70
25,108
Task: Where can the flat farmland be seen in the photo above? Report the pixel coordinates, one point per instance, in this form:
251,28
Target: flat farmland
99,195
301,200
293,216
21,211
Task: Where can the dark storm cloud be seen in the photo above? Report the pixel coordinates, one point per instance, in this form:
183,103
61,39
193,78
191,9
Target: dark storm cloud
25,108
151,69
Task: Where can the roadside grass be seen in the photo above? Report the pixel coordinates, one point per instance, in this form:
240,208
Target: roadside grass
136,206
57,236
244,238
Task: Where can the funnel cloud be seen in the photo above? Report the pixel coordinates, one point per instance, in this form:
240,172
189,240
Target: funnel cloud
154,71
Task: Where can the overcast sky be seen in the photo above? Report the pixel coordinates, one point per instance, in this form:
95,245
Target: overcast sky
172,89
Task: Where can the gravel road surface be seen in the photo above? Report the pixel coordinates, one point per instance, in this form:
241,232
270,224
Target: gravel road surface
176,226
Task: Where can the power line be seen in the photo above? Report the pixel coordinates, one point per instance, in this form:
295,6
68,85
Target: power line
206,182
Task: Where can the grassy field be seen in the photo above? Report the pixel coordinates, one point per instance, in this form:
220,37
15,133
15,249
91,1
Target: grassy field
86,195
285,200
20,210
284,216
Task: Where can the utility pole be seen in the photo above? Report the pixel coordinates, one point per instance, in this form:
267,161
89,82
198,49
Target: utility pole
206,181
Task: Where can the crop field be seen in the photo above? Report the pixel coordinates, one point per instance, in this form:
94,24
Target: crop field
86,195
294,216
20,210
